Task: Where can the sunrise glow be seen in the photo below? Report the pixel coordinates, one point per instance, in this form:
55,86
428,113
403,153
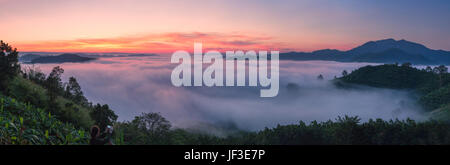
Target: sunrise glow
163,27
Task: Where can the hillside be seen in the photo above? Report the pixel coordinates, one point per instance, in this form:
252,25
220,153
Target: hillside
382,51
432,85
29,92
25,124
27,58
67,57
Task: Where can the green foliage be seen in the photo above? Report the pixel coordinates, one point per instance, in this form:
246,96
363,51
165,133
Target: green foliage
441,114
184,137
24,124
73,92
74,113
103,116
34,74
436,98
392,76
9,66
349,130
28,92
343,131
344,73
46,94
148,128
64,109
432,85
54,84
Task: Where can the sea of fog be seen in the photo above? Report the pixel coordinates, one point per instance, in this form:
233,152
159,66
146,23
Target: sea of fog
132,85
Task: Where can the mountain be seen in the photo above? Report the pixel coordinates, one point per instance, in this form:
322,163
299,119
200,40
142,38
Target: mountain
67,57
140,55
107,55
383,45
392,55
382,51
29,57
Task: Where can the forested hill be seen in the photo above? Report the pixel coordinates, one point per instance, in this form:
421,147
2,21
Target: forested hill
432,84
62,58
381,51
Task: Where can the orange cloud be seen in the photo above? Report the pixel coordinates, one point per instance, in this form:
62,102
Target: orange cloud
157,43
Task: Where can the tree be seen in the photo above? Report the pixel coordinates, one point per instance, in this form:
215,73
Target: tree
53,85
9,66
344,73
53,82
103,116
429,69
155,126
440,70
73,91
406,64
320,77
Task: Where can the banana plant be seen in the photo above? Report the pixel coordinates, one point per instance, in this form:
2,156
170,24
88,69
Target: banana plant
21,123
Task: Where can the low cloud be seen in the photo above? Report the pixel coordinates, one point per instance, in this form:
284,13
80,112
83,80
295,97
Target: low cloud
133,85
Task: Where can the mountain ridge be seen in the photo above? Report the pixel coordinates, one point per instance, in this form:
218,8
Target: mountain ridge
380,51
62,58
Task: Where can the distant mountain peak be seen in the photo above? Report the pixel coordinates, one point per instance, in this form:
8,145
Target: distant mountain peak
382,41
386,40
385,44
381,51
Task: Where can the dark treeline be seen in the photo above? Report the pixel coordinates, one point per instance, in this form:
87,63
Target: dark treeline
344,130
42,109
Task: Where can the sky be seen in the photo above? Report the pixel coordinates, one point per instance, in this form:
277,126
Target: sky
162,26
